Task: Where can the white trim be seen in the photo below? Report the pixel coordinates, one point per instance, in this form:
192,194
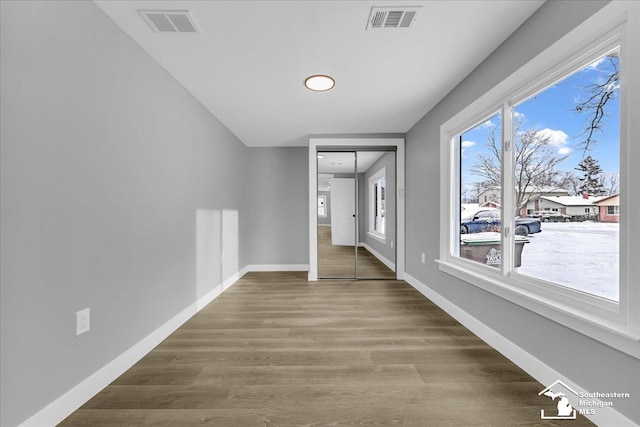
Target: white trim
379,237
70,401
530,364
617,325
400,189
378,255
607,332
65,405
313,213
228,283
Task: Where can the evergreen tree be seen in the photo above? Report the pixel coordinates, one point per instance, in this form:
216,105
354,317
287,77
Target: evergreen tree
590,182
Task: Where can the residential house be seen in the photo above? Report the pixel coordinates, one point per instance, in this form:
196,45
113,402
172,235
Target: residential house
609,208
491,196
579,207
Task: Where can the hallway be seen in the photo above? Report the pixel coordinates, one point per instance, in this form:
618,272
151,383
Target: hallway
338,261
276,350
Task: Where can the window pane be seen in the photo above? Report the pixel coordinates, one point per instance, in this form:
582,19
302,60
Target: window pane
322,209
381,206
567,172
378,203
480,151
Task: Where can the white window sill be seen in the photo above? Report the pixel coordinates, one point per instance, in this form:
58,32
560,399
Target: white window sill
581,320
377,236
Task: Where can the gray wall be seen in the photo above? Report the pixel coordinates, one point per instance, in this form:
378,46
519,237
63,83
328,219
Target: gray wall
278,195
592,365
388,161
105,160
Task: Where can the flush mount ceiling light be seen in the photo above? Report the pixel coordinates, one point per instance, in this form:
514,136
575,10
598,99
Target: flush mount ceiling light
319,83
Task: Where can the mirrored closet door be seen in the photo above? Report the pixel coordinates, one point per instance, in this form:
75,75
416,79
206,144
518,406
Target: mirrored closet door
356,214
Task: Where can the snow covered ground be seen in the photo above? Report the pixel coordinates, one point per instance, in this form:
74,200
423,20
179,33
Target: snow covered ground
579,255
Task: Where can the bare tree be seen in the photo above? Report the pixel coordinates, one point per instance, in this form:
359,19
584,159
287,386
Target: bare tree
536,162
599,95
477,189
609,183
569,181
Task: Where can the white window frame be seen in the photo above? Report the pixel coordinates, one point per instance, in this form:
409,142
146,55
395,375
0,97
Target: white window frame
323,206
376,177
615,323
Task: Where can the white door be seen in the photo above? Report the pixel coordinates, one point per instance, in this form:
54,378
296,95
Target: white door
343,211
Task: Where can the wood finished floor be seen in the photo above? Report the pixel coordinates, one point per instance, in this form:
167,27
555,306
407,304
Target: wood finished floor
275,350
339,261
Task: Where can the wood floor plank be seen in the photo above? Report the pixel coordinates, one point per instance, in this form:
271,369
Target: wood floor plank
159,397
341,261
472,372
327,343
296,375
275,350
171,374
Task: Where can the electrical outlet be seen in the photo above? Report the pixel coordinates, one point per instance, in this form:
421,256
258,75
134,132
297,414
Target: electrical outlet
392,244
83,321
423,258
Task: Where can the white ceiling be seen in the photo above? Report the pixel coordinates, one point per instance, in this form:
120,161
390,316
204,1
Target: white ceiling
345,162
249,64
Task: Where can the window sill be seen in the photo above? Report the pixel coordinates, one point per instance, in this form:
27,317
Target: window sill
583,321
377,236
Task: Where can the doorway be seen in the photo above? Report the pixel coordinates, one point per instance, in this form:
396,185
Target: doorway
356,213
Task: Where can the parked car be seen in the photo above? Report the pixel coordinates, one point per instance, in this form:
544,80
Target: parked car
551,216
488,219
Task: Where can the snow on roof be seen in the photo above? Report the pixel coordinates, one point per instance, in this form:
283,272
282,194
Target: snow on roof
533,190
469,206
547,190
609,200
573,200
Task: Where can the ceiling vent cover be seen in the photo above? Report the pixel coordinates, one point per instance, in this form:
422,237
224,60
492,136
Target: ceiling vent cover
169,21
392,17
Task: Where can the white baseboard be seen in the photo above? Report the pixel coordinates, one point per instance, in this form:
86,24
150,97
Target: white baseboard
536,368
378,255
66,404
278,267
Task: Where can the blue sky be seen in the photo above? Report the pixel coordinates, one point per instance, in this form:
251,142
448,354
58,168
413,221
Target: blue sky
552,112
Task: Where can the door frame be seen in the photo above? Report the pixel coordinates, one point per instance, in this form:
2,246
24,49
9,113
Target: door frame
357,143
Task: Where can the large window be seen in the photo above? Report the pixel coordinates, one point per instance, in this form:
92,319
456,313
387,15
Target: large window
322,206
377,204
479,153
565,150
567,137
524,169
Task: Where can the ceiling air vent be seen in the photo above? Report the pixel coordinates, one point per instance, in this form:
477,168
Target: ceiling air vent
392,17
169,21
